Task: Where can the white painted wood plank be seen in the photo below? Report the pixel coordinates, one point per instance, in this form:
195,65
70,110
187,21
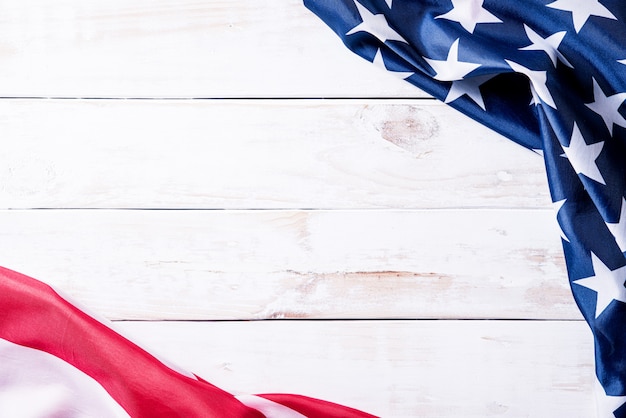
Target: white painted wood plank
296,264
173,48
258,154
394,368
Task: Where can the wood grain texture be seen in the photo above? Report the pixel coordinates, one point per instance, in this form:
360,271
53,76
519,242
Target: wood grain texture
258,154
304,209
296,264
172,48
394,368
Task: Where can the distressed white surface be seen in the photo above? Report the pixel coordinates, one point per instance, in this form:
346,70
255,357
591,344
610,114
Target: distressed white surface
316,209
173,48
296,264
258,154
395,368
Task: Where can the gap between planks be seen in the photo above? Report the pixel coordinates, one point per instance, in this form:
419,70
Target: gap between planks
373,99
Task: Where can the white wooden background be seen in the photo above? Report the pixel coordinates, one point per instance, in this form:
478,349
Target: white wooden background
186,167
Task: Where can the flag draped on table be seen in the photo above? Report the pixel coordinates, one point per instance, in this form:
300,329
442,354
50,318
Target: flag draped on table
550,75
58,361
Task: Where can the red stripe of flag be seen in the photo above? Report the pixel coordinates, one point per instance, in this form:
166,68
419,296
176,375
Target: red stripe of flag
35,316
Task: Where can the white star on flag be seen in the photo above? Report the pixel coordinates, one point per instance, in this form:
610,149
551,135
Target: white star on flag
618,229
469,13
375,24
451,68
583,157
534,100
557,208
549,45
389,3
380,63
582,10
622,62
607,283
606,405
607,106
538,81
470,87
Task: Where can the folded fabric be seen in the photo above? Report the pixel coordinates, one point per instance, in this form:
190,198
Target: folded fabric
58,361
550,75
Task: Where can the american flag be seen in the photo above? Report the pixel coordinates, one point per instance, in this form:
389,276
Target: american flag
56,360
551,76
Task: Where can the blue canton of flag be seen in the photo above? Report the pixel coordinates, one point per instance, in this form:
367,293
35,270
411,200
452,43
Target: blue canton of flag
550,75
